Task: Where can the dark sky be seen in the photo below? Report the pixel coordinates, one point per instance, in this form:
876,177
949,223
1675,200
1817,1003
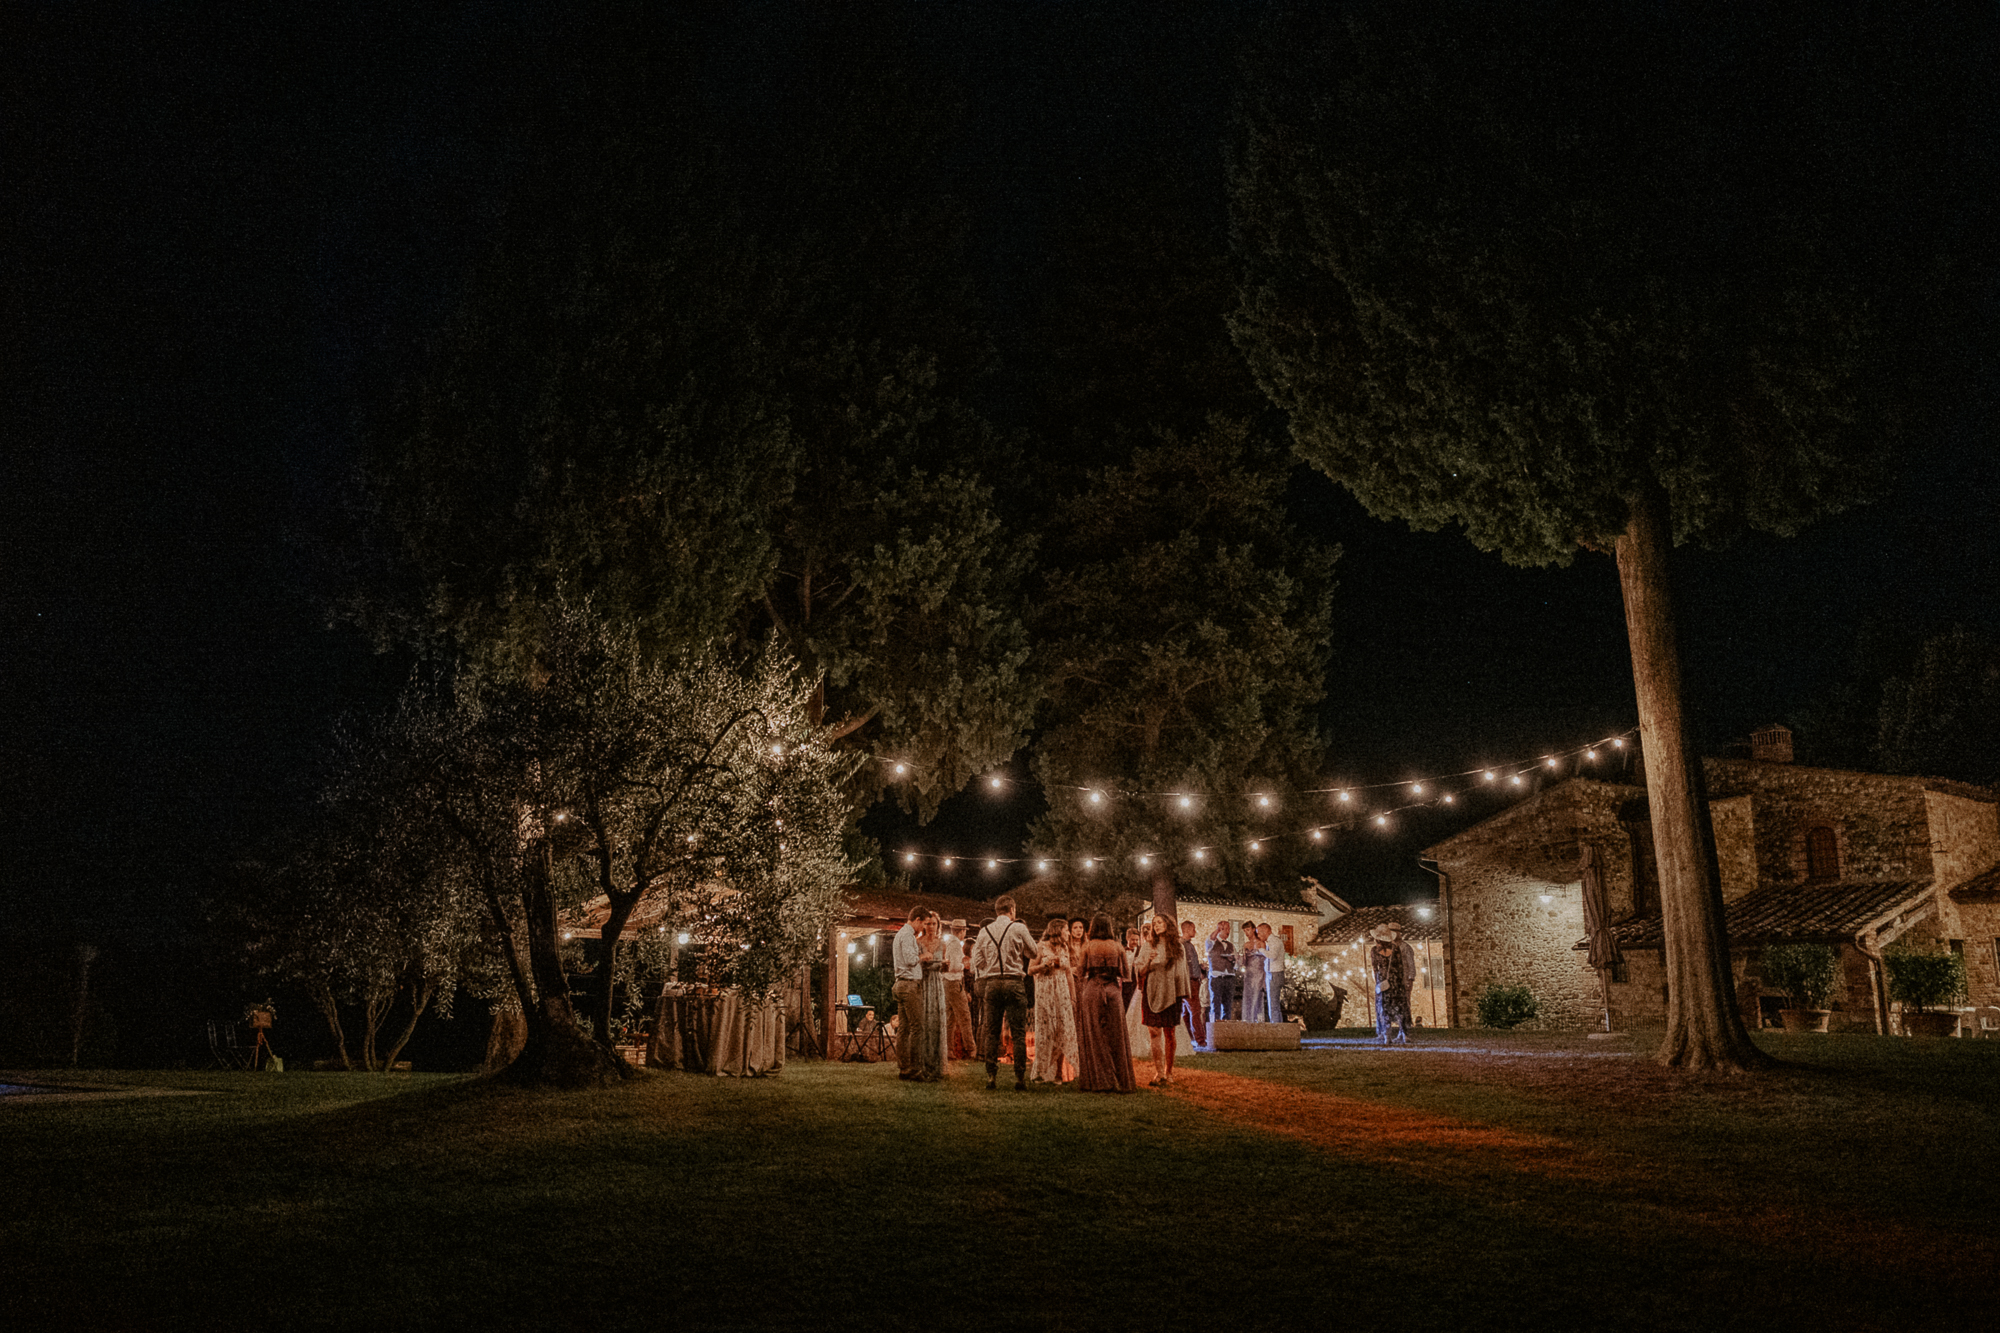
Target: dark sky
227,234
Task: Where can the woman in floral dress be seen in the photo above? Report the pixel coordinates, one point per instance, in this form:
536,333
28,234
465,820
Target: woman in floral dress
1055,1005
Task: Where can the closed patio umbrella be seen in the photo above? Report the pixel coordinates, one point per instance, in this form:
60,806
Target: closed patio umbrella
1604,954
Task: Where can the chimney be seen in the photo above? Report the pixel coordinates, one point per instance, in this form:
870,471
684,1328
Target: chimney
1772,744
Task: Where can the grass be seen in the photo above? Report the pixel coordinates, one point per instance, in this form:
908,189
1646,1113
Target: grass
1518,1182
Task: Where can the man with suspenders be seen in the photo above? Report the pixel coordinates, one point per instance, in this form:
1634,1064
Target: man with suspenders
1000,958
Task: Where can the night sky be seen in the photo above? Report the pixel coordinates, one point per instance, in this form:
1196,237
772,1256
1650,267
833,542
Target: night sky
227,237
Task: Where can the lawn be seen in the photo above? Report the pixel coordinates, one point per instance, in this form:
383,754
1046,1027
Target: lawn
1474,1181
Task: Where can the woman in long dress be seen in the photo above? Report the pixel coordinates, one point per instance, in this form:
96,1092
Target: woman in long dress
933,1016
1163,985
1055,1006
1104,1054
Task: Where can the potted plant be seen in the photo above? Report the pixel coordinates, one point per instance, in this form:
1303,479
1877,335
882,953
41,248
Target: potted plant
1809,975
1926,982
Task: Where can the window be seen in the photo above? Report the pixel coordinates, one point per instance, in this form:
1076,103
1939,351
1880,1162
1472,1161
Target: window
1822,853
1621,973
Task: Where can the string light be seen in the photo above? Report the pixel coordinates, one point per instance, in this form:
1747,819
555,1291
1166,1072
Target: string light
1421,790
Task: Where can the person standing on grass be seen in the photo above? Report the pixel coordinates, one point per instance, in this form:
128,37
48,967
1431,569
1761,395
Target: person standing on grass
1222,976
1000,959
1163,987
907,954
1274,971
1104,1051
960,1042
1197,971
1394,966
1055,1005
1253,975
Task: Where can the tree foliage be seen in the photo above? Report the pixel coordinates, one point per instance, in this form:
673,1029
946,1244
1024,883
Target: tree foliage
1183,632
1508,268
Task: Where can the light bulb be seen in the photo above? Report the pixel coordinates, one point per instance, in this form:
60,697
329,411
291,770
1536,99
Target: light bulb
1381,819
1619,743
1449,798
682,938
1416,789
1517,779
1552,762
996,784
992,865
1186,802
900,770
1590,754
1096,797
1318,836
1489,775
1263,800
1145,860
909,858
1256,846
947,863
1346,797
1200,855
1089,864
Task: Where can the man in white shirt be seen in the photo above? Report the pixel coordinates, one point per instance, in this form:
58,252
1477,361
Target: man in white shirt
909,991
1275,954
1001,953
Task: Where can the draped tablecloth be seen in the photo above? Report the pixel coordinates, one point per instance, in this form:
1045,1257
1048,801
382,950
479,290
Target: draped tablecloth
719,1034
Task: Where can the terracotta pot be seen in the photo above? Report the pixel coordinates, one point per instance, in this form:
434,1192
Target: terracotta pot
1930,1025
1805,1020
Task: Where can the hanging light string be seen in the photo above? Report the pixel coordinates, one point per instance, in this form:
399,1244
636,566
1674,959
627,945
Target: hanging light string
1422,793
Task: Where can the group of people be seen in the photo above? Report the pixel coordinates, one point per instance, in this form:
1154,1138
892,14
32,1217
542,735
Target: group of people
1246,983
1095,998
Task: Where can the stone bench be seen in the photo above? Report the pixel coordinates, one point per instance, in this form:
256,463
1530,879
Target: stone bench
1232,1035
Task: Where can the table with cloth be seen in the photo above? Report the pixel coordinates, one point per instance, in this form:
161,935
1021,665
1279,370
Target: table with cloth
729,1033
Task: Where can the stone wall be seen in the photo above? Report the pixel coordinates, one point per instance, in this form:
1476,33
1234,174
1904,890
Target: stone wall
1978,925
1964,835
1505,934
1735,844
1880,823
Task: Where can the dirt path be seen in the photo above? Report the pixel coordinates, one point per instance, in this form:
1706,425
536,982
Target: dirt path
1628,1193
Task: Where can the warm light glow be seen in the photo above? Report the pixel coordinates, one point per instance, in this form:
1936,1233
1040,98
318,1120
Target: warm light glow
1517,779
1381,819
1547,898
1200,855
909,858
683,939
690,837
565,934
1416,789
1346,796
1449,798
561,817
992,865
775,749
852,947
1256,846
1263,800
900,770
1186,801
1552,763
1619,743
1424,912
947,863
1590,754
1096,797
1041,865
1489,775
996,784
1318,836
1145,860
1089,864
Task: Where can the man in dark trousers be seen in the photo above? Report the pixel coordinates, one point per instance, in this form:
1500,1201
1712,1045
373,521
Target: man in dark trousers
1197,967
1394,966
1000,956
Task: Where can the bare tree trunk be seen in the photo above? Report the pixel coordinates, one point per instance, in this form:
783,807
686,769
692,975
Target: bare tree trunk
375,1001
558,1052
621,906
1704,1029
421,992
86,954
504,1042
329,1008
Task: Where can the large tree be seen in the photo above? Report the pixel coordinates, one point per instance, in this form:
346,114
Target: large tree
715,378
1183,633
1584,277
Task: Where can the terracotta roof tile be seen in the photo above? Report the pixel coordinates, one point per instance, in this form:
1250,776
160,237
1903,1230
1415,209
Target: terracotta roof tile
1346,929
1813,912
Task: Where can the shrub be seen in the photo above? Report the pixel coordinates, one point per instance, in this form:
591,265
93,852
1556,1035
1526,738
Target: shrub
1925,979
1808,973
1505,1006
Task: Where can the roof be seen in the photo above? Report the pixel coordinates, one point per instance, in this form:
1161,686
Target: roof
1825,913
868,908
1533,806
1416,929
1298,906
1983,887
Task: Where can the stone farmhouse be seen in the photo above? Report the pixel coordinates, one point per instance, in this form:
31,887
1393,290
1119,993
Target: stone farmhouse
1344,941
1856,860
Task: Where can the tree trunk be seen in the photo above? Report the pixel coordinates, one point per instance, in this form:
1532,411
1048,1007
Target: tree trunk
86,954
505,1040
621,906
1164,902
329,1008
375,1002
1704,1029
421,992
558,1052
